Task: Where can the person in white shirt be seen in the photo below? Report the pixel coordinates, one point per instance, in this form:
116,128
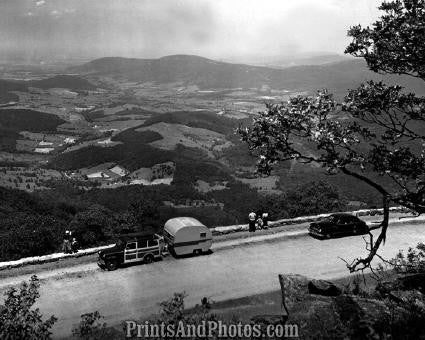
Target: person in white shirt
252,218
265,218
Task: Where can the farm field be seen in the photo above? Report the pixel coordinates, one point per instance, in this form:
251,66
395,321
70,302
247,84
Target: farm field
27,178
97,120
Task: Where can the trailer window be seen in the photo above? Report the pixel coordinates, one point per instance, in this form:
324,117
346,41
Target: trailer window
203,235
167,234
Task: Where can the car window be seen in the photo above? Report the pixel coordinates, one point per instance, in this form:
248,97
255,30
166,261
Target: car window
131,245
143,243
336,220
344,220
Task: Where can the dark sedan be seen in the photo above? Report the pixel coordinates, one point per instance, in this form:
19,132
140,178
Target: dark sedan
337,225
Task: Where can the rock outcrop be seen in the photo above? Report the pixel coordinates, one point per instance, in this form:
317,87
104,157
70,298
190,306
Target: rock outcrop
322,305
322,287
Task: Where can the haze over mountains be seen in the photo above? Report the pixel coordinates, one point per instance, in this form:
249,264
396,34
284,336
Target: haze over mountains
206,73
285,60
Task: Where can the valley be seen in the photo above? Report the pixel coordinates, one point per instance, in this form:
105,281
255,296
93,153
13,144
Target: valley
106,138
106,114
112,110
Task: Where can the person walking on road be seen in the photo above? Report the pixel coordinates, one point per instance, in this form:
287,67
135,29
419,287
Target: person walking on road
252,220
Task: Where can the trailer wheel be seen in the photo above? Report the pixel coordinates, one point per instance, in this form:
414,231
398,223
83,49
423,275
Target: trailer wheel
111,265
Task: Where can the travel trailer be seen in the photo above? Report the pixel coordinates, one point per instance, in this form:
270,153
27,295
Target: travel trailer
187,235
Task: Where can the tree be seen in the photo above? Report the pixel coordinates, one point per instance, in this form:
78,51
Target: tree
383,141
146,212
313,198
395,43
91,225
18,320
29,234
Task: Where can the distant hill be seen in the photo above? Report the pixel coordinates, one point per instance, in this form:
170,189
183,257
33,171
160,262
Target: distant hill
74,83
6,88
12,121
206,73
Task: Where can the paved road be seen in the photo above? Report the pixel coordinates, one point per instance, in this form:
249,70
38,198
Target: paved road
230,272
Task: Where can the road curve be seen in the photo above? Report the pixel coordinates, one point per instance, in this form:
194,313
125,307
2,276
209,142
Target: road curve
134,292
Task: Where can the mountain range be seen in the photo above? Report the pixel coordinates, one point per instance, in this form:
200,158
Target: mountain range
207,74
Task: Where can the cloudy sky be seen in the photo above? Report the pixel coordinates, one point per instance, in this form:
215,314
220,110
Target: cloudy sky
153,28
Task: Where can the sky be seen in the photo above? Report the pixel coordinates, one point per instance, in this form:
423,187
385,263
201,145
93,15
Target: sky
216,29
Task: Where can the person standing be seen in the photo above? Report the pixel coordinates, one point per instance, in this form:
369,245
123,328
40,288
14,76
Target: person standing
66,246
259,223
265,218
74,245
252,219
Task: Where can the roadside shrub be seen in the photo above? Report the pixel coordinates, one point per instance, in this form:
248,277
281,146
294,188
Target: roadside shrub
173,312
91,327
17,318
412,262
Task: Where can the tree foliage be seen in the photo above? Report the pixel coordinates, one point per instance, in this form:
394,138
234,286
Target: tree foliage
378,129
91,327
17,318
411,262
396,42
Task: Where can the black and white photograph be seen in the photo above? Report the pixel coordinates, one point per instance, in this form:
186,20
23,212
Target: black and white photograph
212,169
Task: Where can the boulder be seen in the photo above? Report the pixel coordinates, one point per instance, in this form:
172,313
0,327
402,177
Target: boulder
322,287
364,318
333,314
413,282
402,283
406,297
293,287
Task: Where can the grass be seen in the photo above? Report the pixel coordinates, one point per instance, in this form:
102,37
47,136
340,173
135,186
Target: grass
199,119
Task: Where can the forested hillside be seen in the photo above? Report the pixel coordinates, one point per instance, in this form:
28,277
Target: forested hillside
34,224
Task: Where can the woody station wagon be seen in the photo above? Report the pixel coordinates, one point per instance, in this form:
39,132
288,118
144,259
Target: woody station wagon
137,247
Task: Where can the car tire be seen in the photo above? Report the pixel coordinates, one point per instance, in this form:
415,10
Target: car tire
111,265
197,252
328,236
148,258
